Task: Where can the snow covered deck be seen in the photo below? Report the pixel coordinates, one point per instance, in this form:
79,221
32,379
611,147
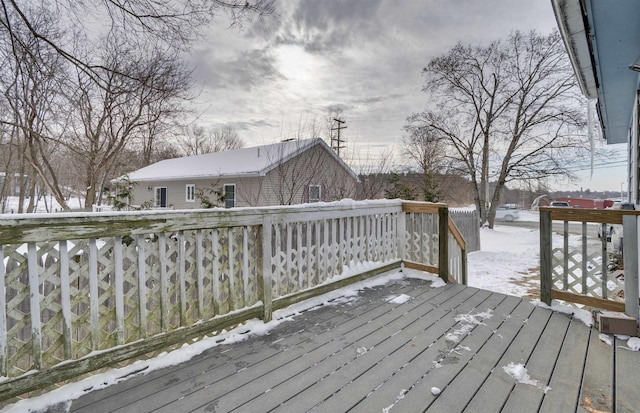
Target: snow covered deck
404,347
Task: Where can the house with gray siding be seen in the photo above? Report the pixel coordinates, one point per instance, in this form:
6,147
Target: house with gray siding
285,173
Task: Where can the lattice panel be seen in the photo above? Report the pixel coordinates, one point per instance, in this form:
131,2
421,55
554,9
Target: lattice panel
421,239
250,279
132,329
106,296
19,359
153,284
207,281
221,272
50,304
173,290
574,273
78,254
191,277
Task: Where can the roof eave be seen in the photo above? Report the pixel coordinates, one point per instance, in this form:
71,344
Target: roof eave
575,34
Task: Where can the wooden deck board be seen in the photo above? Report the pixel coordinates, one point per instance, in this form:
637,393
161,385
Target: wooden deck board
226,360
455,357
333,391
597,384
367,354
210,385
494,392
565,388
527,397
483,361
331,347
628,377
354,359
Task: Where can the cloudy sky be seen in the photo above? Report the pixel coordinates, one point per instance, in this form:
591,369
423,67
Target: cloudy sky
272,79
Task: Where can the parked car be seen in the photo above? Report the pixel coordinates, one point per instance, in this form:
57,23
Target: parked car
616,229
506,214
563,204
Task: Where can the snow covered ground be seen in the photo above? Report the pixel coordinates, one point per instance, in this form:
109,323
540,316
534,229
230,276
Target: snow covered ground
43,205
507,263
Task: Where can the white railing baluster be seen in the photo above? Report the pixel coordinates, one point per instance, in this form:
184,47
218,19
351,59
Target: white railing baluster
142,286
289,250
34,302
216,271
266,268
325,250
200,272
348,241
164,282
181,278
309,260
65,297
245,265
232,278
299,252
94,302
278,245
335,246
119,292
318,253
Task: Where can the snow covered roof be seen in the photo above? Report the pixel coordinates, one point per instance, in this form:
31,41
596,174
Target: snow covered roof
245,162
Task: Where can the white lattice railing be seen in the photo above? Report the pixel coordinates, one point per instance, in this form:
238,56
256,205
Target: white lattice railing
84,291
577,270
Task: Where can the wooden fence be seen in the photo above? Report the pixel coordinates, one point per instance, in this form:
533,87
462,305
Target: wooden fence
85,291
468,223
581,273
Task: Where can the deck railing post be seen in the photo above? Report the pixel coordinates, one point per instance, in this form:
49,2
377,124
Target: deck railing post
443,237
266,268
630,250
463,263
401,236
545,257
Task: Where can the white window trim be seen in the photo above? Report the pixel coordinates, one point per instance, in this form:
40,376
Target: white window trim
193,193
224,193
319,193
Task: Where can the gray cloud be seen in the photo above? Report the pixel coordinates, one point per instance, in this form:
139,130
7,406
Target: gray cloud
378,98
329,25
250,124
247,70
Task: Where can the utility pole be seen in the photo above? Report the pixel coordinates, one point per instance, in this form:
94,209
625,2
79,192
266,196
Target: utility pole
336,141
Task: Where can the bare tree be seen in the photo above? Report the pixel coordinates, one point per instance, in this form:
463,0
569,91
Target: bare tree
428,153
372,171
170,23
31,79
120,114
198,140
507,111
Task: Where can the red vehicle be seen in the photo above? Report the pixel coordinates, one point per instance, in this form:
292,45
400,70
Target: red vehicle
587,203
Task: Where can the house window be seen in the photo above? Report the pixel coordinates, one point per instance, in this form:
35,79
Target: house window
229,195
160,200
314,193
190,193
